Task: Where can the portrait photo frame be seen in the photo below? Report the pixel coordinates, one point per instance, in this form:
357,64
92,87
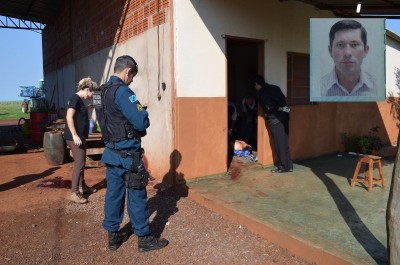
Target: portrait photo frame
372,84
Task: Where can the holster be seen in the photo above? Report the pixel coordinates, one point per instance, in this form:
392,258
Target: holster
137,180
137,177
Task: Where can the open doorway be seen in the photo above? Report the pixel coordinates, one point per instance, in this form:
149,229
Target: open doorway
245,59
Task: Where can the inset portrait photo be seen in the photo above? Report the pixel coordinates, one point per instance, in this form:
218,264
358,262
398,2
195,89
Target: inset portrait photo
347,59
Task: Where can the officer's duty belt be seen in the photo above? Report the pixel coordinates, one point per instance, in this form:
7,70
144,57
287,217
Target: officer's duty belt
125,153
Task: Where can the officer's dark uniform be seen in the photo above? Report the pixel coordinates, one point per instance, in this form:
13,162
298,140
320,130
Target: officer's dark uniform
270,97
117,165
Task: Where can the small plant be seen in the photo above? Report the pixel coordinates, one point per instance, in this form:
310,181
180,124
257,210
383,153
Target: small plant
349,142
375,142
363,144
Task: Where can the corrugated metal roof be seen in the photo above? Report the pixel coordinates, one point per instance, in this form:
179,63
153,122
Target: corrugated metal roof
42,11
347,8
45,11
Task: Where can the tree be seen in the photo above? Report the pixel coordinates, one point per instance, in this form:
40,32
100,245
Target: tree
393,206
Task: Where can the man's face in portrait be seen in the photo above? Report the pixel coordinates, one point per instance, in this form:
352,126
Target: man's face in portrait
348,51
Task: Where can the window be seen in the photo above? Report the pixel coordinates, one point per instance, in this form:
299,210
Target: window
298,78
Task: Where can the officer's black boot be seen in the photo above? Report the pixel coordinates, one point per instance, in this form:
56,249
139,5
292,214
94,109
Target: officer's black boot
115,239
147,243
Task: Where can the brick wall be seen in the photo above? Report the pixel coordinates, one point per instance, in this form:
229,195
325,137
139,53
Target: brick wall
85,27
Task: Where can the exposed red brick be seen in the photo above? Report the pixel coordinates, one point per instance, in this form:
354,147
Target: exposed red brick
163,4
145,24
140,14
146,10
159,18
80,29
140,27
135,16
135,29
153,7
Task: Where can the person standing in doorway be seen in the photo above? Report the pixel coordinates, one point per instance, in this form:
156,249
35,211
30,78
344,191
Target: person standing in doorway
232,121
123,122
75,134
250,114
276,113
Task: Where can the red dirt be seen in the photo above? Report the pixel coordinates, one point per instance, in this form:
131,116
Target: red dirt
40,226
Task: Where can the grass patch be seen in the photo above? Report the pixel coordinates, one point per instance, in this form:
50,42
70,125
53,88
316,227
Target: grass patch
11,110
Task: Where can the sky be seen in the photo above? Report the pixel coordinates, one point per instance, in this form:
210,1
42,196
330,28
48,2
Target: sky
21,62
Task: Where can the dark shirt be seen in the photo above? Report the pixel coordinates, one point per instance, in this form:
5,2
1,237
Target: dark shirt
81,118
270,98
250,111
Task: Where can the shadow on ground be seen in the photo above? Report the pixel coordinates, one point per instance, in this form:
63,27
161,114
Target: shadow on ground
164,203
355,223
315,204
22,180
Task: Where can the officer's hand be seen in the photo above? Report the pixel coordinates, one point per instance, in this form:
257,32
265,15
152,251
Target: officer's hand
77,140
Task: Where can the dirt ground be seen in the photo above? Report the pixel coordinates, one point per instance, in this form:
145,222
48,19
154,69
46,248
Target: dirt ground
40,226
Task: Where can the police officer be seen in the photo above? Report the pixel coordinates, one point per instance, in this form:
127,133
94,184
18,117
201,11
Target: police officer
123,122
276,112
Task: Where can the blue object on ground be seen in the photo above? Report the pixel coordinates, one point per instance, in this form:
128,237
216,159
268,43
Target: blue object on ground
242,152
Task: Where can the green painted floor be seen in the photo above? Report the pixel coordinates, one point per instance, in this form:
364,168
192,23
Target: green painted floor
315,203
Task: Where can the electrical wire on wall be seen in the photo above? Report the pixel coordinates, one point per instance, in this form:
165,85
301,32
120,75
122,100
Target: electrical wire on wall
117,39
158,52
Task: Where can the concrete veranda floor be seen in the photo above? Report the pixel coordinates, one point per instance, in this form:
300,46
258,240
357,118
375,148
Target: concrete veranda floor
313,211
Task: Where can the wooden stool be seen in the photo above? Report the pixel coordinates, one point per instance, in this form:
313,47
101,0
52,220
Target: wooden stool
369,179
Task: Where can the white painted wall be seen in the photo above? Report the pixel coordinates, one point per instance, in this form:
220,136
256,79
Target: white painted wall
200,62
392,62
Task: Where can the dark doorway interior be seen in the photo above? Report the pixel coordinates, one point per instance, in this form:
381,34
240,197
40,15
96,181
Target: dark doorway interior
245,60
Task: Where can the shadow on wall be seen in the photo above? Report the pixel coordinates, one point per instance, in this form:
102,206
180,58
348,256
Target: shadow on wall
359,118
172,188
77,35
316,130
